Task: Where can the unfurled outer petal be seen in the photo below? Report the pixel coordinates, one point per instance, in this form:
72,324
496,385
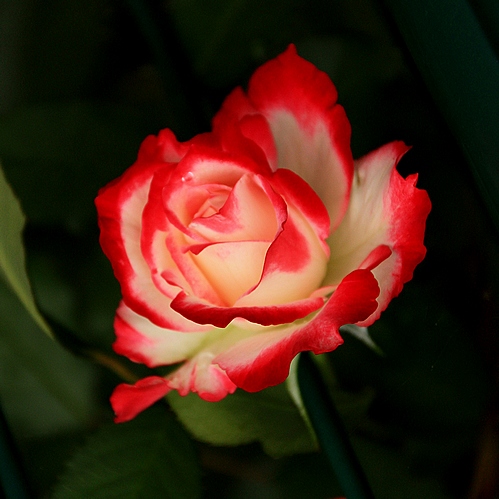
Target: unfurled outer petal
263,360
198,375
310,131
130,400
383,228
242,359
142,341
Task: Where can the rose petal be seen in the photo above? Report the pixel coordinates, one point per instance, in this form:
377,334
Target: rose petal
263,360
200,169
386,212
171,269
130,400
294,268
237,120
200,375
250,220
256,128
311,131
162,149
202,312
197,283
305,201
120,206
252,212
221,264
142,341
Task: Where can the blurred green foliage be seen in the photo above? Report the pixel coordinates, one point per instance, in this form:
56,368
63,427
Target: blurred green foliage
83,83
12,258
150,457
269,417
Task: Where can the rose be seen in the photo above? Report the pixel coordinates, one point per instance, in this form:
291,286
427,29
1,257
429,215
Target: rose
242,247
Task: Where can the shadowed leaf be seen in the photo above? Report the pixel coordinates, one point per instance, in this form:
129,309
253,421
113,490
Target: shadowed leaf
12,259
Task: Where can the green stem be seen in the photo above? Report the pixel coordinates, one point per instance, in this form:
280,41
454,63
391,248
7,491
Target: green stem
330,431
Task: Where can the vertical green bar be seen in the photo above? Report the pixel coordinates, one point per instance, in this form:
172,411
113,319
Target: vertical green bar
330,431
452,43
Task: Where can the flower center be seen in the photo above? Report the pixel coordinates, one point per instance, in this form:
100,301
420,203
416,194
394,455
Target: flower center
217,197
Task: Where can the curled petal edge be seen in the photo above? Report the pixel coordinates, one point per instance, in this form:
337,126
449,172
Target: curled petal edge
264,359
203,313
129,400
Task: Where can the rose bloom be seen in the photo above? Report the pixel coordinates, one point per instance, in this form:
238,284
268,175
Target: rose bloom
244,246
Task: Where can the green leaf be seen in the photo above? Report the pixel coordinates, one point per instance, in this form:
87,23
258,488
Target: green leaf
12,259
269,417
293,388
44,388
148,457
362,334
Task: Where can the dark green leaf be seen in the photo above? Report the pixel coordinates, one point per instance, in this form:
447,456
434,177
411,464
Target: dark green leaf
149,457
269,417
43,387
12,260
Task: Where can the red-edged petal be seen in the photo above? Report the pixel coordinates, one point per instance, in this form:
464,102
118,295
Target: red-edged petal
232,268
161,244
256,128
203,312
251,136
130,400
142,341
311,131
201,171
242,231
154,234
162,149
240,127
296,262
295,266
263,360
299,195
120,207
200,375
384,226
251,212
